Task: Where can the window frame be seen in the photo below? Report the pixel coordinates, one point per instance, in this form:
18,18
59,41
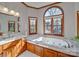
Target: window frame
62,22
35,18
9,22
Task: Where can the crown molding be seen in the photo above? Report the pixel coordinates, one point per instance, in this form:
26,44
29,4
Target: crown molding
40,7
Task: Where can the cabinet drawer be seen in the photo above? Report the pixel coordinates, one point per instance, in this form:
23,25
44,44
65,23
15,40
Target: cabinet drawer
30,47
10,44
49,53
38,50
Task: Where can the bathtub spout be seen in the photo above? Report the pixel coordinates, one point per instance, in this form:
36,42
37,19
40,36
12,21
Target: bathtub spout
68,44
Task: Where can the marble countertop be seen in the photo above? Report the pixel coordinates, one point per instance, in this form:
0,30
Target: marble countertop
71,51
10,39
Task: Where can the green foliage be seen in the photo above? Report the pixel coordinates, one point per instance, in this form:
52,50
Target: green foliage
77,38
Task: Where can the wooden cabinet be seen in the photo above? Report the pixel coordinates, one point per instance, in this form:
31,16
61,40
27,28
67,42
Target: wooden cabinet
62,55
7,52
45,52
23,45
10,44
9,48
14,48
19,48
0,49
53,53
38,50
7,45
49,53
30,47
35,49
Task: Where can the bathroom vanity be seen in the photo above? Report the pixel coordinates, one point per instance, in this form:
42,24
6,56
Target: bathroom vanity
12,47
16,44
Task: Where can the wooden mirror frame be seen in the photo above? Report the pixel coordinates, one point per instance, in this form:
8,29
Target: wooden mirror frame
18,24
30,33
77,23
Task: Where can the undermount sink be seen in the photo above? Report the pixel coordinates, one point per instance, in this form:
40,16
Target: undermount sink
5,37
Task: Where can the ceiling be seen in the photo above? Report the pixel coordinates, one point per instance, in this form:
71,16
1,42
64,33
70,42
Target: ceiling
38,4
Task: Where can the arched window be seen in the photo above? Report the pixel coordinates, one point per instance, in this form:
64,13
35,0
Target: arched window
53,21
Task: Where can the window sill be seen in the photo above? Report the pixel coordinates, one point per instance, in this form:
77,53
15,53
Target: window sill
54,34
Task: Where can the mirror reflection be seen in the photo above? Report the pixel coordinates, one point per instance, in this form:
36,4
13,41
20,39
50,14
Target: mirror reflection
8,23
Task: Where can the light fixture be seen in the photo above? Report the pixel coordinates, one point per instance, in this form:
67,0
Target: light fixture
12,12
17,14
8,11
5,9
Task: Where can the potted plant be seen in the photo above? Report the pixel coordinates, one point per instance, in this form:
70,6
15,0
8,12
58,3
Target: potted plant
77,38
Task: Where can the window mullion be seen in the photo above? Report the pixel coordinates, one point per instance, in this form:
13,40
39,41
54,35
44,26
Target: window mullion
52,25
56,16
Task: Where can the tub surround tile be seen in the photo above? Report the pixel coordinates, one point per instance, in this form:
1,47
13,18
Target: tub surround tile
71,51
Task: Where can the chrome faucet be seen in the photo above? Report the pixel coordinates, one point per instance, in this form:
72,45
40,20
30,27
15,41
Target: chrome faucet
68,44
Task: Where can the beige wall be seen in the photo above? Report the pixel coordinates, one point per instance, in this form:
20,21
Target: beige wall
69,18
69,8
24,13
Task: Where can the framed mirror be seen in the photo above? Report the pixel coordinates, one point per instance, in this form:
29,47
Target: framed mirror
11,26
32,25
9,23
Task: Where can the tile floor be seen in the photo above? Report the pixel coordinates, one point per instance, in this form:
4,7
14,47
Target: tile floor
28,54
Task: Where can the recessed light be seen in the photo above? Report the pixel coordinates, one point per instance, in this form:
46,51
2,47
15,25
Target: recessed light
12,12
5,9
17,14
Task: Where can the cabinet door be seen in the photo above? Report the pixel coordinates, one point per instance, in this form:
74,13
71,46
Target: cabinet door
8,49
10,44
30,47
13,49
63,55
19,48
0,49
24,45
38,50
7,52
16,49
49,53
5,46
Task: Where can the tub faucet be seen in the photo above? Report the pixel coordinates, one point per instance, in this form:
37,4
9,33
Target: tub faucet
68,44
